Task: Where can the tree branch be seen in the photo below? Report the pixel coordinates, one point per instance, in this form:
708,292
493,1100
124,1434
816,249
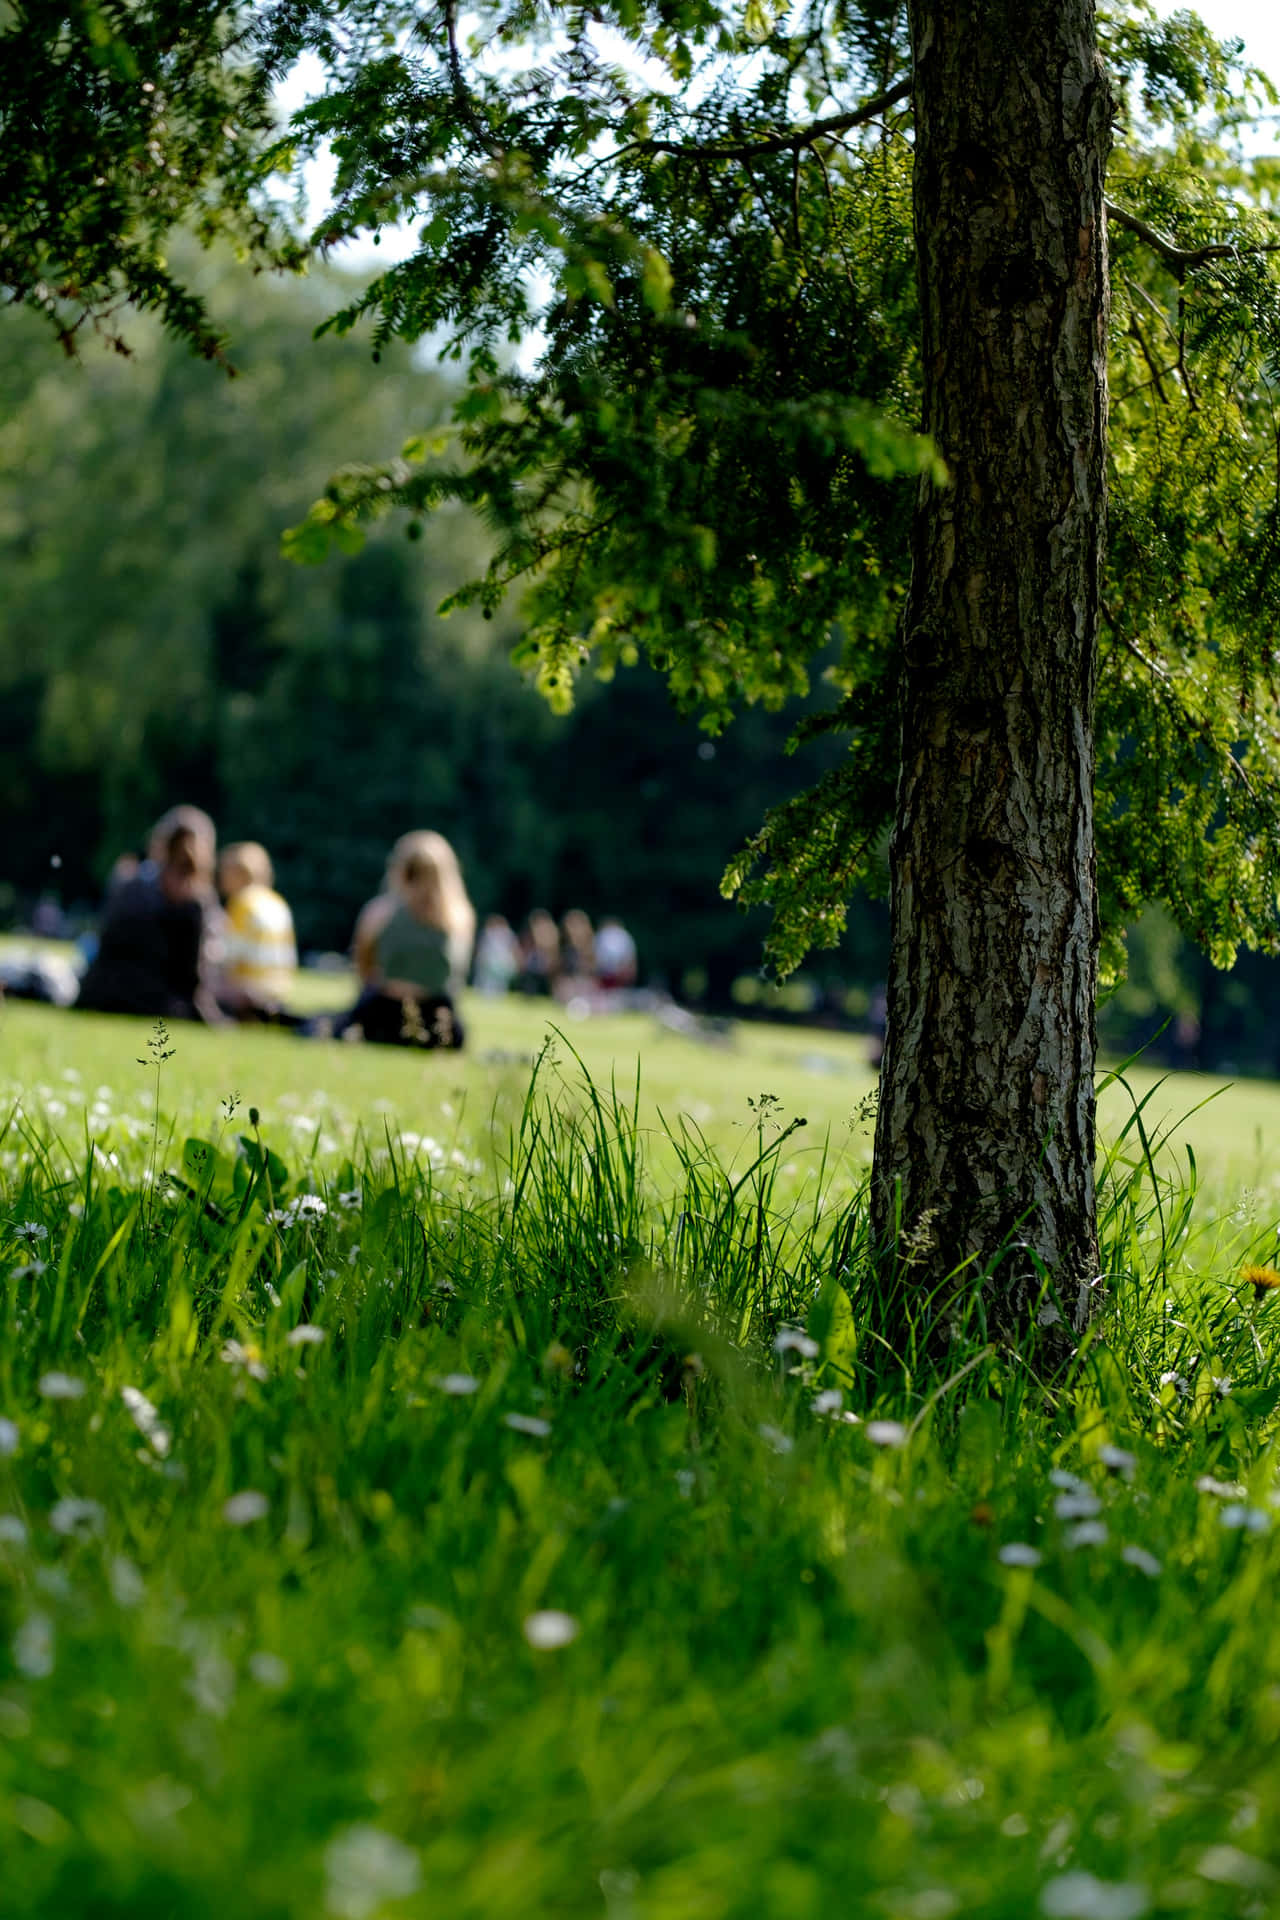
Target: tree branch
457,80
1181,259
782,142
1141,338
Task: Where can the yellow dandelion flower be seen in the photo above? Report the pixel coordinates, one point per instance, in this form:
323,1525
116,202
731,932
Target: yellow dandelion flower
1261,1279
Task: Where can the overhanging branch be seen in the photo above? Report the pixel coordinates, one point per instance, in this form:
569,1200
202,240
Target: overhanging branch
1182,259
798,137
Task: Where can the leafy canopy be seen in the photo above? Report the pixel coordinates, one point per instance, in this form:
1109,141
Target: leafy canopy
702,215
119,119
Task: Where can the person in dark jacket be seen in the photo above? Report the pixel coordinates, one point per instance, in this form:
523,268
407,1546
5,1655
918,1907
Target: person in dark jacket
158,938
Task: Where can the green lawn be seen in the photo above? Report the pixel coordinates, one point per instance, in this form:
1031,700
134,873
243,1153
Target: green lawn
484,1505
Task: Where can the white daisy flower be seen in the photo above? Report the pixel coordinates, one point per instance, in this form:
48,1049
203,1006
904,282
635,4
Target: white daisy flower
33,1647
1016,1553
1221,1489
795,1340
1248,1519
527,1423
146,1420
421,1144
1077,1506
269,1670
307,1208
244,1360
128,1589
60,1386
242,1509
1081,1896
365,1869
77,1519
549,1629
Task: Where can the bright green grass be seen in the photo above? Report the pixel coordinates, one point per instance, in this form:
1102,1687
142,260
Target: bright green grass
821,1075
517,1382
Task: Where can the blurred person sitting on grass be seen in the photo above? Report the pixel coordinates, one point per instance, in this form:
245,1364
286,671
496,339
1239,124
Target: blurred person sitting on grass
616,959
412,948
577,973
260,953
159,942
497,956
539,953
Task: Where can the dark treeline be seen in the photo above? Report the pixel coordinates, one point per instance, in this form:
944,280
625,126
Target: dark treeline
155,646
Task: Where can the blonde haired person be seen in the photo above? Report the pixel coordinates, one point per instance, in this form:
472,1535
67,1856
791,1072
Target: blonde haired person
412,947
260,952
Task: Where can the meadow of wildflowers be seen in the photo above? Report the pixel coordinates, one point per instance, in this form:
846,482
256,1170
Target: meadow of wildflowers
488,1508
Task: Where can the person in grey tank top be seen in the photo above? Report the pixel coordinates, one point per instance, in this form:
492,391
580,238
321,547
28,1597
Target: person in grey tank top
412,948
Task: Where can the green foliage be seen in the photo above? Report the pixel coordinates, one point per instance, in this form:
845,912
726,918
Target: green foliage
670,247
1189,747
154,645
474,1463
118,124
694,465
702,476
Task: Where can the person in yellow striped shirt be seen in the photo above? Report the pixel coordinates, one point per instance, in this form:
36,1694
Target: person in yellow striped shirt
260,953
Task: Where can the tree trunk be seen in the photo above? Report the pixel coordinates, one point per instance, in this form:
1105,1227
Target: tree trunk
985,1134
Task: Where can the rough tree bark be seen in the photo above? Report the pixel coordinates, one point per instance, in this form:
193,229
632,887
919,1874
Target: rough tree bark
985,1133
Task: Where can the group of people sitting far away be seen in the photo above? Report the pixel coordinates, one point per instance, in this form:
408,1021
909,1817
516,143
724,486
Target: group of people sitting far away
168,947
573,961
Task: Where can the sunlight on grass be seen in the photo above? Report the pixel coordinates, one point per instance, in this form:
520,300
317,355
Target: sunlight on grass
423,1490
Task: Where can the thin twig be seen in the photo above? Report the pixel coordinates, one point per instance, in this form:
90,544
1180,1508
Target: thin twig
1152,368
1135,286
457,79
1183,369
